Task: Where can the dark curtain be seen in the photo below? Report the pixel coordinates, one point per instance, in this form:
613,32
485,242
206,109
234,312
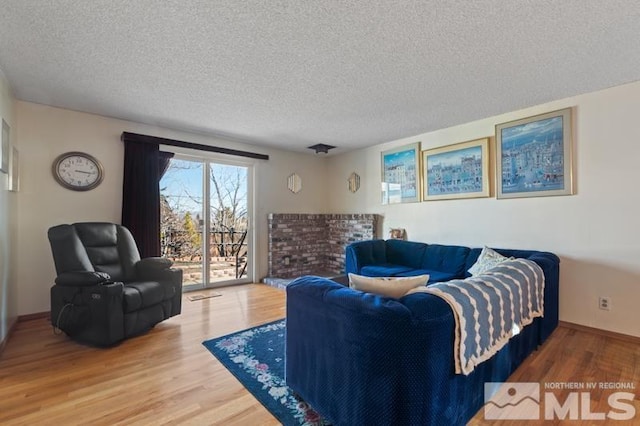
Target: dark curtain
164,158
144,165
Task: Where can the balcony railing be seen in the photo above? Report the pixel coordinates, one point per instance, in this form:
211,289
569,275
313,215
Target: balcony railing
228,246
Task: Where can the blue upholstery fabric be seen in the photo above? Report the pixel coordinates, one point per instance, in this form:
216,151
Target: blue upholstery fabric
472,257
365,253
445,258
407,253
384,270
434,276
354,327
358,358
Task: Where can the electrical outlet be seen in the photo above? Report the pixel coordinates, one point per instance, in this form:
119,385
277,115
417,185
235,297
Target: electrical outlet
604,303
287,260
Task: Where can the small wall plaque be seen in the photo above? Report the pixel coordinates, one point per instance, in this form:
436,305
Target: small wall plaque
354,182
294,183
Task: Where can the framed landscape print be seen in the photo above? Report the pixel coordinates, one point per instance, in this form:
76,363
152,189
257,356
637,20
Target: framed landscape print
456,171
400,169
534,156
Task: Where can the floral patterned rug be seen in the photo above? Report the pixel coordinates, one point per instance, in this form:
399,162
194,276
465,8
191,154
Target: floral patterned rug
256,358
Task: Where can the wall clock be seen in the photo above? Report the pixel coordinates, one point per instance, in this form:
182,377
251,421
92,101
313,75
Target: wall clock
77,171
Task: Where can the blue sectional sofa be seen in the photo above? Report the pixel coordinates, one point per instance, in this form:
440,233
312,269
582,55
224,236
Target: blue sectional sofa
364,359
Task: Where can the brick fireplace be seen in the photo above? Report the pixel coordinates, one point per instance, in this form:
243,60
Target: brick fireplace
313,244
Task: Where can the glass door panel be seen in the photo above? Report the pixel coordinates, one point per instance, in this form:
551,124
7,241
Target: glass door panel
229,222
181,219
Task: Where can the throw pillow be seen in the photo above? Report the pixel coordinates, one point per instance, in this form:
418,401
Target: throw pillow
488,259
395,287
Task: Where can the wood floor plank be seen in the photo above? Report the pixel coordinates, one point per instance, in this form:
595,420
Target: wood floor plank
167,377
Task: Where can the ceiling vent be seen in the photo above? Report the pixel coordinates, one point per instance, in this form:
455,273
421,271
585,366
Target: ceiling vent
320,147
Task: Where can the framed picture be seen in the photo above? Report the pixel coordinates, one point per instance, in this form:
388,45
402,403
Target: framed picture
400,169
14,176
534,156
4,152
456,171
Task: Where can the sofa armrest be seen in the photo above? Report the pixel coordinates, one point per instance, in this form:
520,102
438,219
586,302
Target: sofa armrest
82,278
351,263
550,264
363,253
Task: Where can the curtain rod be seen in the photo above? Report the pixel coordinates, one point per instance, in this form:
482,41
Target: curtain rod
136,137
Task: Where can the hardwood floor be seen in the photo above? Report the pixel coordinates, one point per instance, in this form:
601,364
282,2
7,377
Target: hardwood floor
163,377
167,377
579,356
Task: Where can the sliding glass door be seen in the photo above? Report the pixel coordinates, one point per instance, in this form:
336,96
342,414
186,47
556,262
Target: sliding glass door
205,221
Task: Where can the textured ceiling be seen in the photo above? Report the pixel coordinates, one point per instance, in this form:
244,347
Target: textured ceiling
296,73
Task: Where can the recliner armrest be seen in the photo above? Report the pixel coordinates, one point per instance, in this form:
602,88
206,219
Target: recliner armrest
82,278
153,264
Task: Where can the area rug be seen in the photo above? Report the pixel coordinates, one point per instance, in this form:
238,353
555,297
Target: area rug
256,358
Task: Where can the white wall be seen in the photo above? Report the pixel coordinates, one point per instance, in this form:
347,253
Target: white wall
8,292
596,232
45,132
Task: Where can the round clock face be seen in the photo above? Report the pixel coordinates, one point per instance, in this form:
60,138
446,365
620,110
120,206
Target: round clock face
77,171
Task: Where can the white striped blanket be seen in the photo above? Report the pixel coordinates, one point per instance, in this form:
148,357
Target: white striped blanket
491,308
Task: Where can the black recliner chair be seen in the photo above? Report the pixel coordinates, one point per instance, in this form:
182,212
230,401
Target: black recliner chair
104,292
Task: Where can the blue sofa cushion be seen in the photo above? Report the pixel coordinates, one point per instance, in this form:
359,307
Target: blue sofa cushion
408,253
434,276
385,270
445,258
364,253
